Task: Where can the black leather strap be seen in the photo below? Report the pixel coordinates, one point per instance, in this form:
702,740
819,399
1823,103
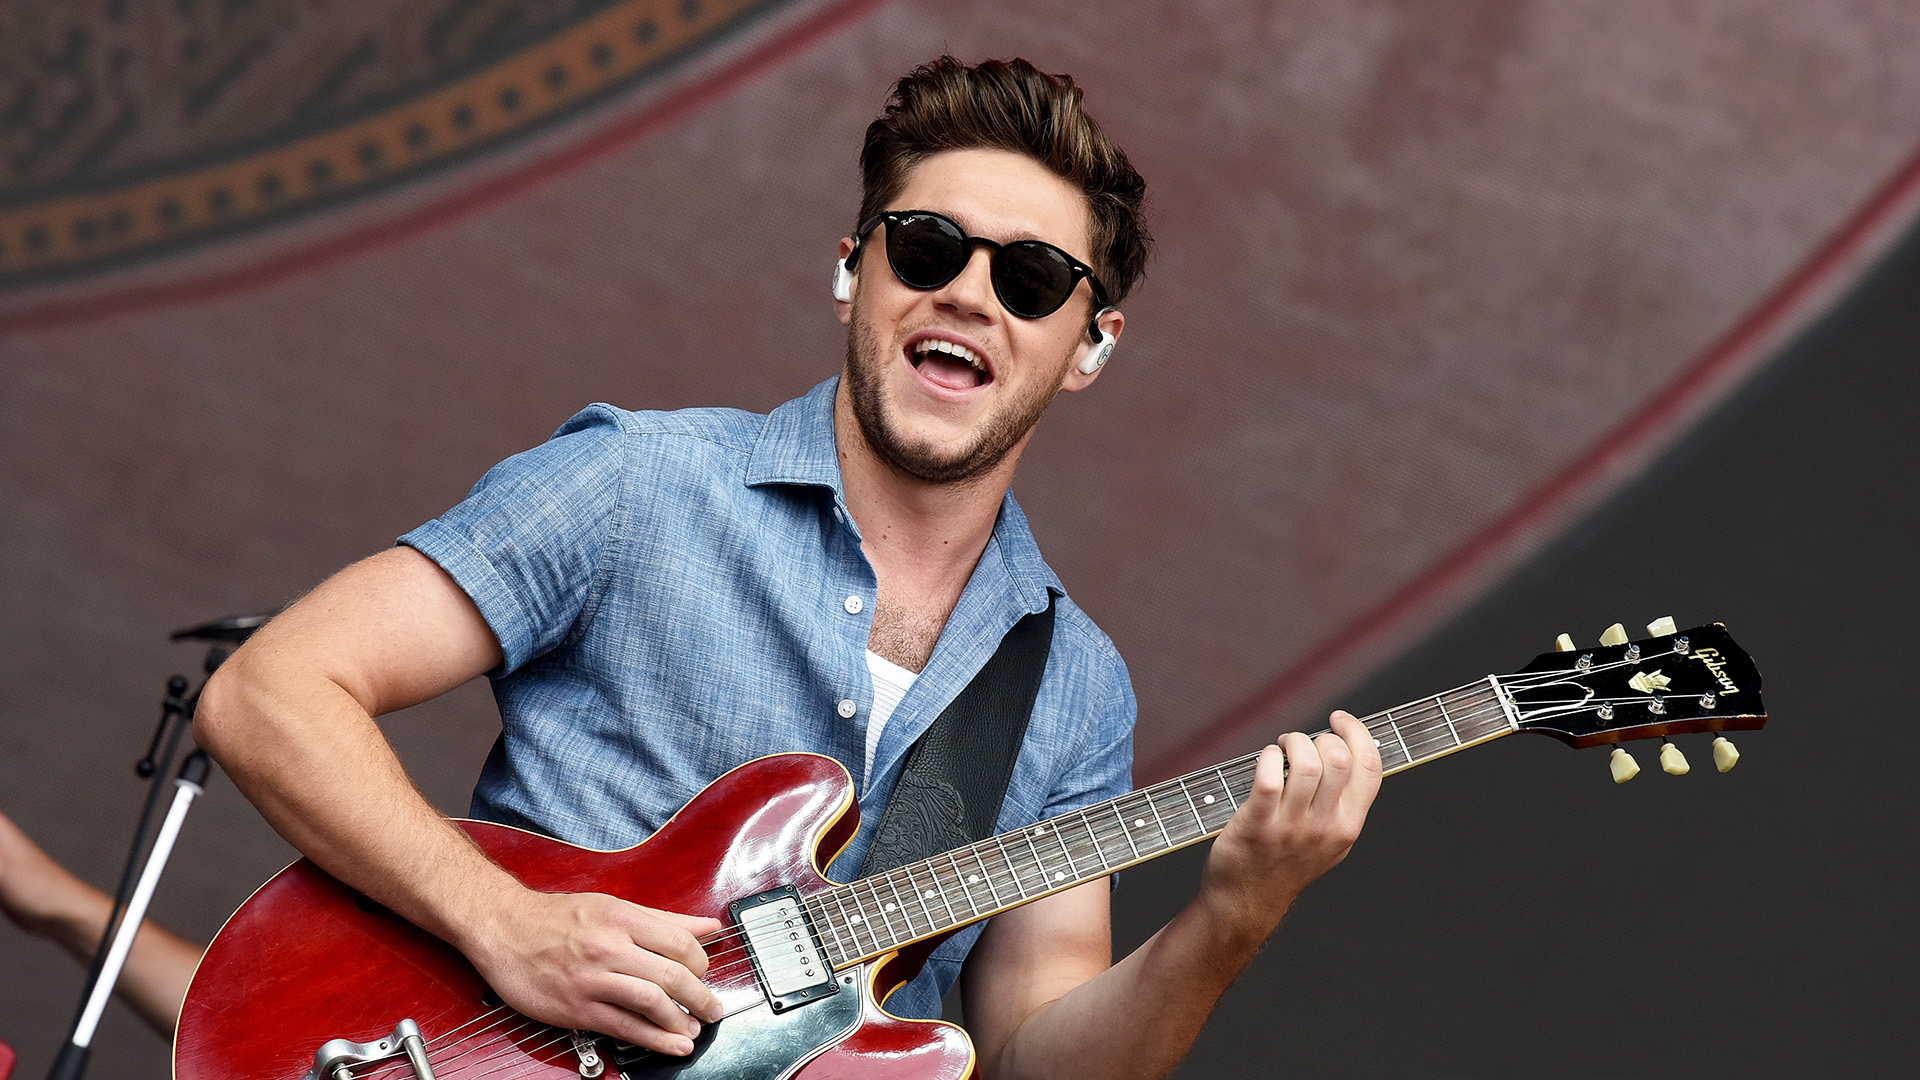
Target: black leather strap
957,772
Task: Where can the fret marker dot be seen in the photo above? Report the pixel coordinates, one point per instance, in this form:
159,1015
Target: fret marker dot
1139,823
928,894
853,918
973,879
889,907
1376,744
1208,800
1059,875
1041,831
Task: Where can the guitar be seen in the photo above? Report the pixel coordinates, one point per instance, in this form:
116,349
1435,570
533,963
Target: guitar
310,979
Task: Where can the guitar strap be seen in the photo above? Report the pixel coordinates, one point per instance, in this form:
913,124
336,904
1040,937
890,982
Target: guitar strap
957,771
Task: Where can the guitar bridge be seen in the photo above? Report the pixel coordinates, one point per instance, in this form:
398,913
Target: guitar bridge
336,1057
785,949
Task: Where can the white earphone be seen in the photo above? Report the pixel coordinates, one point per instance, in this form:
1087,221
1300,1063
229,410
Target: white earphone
843,282
1103,343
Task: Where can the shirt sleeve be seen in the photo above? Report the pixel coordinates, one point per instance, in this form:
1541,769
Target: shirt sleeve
526,543
1103,769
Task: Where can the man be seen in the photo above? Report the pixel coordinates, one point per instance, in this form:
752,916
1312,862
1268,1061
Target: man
662,596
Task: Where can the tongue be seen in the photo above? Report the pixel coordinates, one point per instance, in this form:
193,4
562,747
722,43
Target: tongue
950,371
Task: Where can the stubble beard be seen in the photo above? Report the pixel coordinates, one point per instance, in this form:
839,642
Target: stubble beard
998,434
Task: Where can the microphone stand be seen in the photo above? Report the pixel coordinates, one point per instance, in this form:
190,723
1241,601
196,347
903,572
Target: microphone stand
131,900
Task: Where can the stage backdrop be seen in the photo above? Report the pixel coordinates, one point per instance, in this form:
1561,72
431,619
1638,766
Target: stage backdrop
279,280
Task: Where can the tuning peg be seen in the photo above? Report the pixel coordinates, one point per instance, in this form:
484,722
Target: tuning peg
1725,756
1672,760
1614,635
1623,766
1662,626
1563,643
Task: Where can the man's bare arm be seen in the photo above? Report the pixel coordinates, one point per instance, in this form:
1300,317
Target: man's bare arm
1041,1000
290,717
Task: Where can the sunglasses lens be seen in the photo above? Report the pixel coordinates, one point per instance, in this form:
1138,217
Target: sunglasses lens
1033,279
926,251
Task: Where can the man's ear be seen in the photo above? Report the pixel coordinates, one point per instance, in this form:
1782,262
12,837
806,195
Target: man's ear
1091,357
845,282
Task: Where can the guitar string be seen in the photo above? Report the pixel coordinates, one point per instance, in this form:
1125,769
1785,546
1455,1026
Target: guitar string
1418,724
1421,714
1425,725
1408,725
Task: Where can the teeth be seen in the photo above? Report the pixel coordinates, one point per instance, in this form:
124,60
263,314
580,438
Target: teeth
952,349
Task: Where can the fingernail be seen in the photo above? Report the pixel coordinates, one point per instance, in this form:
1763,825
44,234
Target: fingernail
683,1047
694,1029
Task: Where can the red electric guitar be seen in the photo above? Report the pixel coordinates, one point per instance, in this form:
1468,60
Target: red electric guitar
311,980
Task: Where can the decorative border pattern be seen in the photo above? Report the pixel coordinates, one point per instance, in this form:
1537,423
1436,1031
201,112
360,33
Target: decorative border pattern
76,232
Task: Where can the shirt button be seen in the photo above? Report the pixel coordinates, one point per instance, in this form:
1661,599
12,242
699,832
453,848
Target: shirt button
854,605
839,515
847,708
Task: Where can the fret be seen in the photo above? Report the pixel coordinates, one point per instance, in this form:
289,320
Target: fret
1046,880
1212,802
960,879
821,918
988,875
856,921
1124,830
1166,838
1039,868
899,904
937,890
1093,837
1012,871
1398,734
1193,806
1064,849
1442,706
873,910
1226,787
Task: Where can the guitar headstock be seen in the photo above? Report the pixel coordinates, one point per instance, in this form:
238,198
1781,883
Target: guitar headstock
1670,683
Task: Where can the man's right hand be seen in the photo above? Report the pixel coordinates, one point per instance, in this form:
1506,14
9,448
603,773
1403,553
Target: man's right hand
290,716
596,962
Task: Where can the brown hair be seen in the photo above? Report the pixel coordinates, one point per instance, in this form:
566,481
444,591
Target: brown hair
1011,105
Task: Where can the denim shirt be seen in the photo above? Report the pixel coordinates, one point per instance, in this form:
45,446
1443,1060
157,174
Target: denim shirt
677,593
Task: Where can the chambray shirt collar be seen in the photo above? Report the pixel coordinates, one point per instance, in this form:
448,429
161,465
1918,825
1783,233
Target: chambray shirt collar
797,446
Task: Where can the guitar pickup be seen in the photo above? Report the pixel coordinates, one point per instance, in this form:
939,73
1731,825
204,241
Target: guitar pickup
785,949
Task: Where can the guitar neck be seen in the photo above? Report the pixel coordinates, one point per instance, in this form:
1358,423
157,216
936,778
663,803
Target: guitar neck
879,914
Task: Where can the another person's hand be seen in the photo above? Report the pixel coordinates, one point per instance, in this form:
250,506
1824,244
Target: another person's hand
46,900
41,897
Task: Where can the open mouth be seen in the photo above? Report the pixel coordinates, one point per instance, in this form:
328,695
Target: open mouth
948,364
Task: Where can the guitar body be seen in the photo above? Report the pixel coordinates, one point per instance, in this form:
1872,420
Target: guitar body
308,960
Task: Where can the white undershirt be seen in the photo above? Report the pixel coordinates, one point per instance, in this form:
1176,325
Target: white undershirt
890,683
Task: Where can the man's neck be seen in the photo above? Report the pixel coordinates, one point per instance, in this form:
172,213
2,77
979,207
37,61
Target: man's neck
923,538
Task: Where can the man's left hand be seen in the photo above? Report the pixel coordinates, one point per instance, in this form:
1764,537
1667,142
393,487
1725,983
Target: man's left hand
1310,798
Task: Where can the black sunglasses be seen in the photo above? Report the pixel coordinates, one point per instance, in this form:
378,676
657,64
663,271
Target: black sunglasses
1032,278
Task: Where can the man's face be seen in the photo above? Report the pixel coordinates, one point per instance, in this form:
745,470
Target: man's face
923,403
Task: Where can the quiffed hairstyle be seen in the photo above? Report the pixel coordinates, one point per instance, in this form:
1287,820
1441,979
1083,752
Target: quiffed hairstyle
1011,105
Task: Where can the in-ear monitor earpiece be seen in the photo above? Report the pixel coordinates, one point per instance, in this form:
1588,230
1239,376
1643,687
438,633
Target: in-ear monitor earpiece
1103,343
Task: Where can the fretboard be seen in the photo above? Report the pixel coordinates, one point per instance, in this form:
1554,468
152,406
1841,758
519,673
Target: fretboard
879,914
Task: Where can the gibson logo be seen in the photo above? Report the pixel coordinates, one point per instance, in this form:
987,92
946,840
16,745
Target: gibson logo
1648,681
1711,658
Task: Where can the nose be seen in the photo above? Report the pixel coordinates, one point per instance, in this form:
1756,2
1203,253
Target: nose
970,294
